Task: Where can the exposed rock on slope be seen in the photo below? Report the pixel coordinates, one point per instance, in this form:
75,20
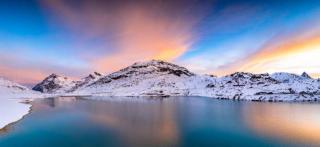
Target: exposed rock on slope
91,78
305,75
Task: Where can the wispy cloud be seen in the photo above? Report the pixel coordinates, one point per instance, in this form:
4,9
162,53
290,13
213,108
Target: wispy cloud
131,30
296,52
21,69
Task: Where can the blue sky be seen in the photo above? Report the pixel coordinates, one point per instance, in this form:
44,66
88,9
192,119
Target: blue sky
75,38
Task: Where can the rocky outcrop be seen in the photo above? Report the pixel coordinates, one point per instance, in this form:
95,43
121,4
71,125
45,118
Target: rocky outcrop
305,75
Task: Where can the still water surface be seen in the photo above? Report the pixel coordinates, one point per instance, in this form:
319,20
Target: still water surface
177,121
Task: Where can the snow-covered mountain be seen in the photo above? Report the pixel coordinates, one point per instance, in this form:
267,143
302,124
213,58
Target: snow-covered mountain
9,89
56,84
160,78
265,87
153,78
91,78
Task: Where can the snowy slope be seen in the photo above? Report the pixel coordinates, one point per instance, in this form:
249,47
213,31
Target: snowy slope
9,89
12,110
153,78
265,87
11,95
91,78
159,78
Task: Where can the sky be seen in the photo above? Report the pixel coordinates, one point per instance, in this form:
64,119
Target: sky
77,37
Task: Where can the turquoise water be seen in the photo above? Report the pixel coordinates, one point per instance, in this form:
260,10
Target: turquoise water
178,121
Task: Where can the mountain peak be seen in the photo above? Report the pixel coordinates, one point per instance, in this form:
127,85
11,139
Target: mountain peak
53,75
305,75
152,62
147,69
155,67
53,83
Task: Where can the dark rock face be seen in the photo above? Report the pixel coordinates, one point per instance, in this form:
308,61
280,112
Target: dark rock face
210,86
305,75
103,80
49,84
263,93
48,87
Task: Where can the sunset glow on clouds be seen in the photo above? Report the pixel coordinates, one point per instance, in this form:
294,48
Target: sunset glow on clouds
130,32
296,54
75,38
293,57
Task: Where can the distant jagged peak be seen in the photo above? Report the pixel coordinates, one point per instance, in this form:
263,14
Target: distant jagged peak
306,75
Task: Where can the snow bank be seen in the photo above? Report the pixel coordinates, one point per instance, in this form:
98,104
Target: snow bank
12,110
11,96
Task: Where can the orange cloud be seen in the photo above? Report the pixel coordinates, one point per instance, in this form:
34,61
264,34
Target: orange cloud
136,31
24,76
31,71
294,55
146,37
299,47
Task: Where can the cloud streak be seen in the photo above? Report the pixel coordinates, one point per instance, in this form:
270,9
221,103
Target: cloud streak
294,52
131,30
26,71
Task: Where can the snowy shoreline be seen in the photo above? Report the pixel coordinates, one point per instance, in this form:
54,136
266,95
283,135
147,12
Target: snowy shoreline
12,110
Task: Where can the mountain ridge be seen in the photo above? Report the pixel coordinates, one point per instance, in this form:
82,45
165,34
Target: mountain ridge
160,78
